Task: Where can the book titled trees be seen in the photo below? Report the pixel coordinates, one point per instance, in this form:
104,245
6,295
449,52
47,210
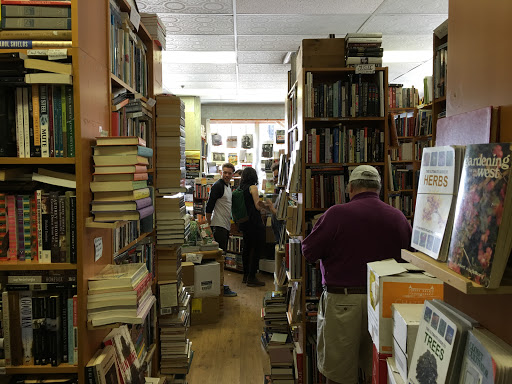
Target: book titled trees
481,233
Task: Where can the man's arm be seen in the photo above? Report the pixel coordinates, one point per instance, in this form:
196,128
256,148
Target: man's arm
317,244
216,192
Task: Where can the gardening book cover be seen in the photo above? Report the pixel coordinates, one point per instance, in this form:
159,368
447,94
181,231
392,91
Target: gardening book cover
435,347
435,201
481,236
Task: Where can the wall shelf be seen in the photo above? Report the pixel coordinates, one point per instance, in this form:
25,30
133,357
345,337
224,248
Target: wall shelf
37,160
35,266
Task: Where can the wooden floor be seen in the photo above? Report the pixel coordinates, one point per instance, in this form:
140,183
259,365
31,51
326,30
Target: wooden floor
230,351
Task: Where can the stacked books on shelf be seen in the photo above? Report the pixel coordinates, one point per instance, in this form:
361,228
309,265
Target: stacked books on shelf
31,24
363,48
423,123
38,227
170,133
175,348
142,252
120,179
274,316
233,257
120,294
440,70
172,223
403,123
404,152
155,27
39,319
37,96
400,97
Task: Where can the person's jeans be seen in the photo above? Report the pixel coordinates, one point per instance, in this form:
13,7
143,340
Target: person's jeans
254,242
221,236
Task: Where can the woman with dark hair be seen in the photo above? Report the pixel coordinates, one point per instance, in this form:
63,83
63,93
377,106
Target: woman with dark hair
253,229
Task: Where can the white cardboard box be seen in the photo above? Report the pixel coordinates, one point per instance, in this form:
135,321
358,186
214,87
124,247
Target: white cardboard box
406,319
207,279
391,282
393,376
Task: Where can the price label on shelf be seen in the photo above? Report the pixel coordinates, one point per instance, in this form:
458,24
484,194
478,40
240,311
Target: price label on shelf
365,69
98,248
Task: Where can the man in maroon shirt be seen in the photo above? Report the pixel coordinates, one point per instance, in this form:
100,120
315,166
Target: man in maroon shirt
344,239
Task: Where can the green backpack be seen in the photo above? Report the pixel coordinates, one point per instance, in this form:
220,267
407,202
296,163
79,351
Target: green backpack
238,208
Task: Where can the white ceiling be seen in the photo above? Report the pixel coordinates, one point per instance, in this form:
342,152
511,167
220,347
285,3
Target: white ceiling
260,32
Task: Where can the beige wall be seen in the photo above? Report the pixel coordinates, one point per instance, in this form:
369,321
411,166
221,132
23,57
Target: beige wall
241,111
192,122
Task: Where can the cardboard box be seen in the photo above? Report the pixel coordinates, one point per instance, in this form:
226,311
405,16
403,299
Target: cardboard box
267,265
406,319
323,53
205,310
379,367
167,296
207,279
187,273
391,282
393,376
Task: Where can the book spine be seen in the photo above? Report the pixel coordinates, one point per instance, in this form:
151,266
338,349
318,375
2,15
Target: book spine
64,124
11,10
15,328
39,224
36,23
62,228
36,120
4,236
26,227
31,124
6,327
72,230
34,243
46,256
64,328
54,226
19,229
51,124
67,213
57,120
26,325
70,121
56,331
20,140
36,326
75,329
69,330
26,124
43,120
12,253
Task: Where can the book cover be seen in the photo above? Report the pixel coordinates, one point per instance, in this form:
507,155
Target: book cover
435,202
481,239
478,365
118,275
128,364
43,120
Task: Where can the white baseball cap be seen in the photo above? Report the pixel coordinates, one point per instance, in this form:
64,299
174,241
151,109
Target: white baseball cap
364,172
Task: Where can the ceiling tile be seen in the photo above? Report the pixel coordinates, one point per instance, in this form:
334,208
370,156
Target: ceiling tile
407,42
186,6
198,77
306,7
265,85
198,24
403,24
200,43
299,24
201,85
414,7
257,78
198,68
261,57
272,43
263,69
398,69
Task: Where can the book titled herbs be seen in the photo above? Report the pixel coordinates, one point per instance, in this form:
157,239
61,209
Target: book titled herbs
482,231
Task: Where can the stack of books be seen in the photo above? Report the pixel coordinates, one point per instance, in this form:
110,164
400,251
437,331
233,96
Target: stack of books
175,348
170,132
363,48
120,179
172,223
120,294
274,313
156,28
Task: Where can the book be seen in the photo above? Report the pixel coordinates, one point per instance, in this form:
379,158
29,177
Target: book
31,44
482,231
115,276
36,23
48,78
120,177
102,368
111,186
35,11
120,160
105,170
120,140
121,206
438,184
61,179
111,216
122,195
48,66
123,150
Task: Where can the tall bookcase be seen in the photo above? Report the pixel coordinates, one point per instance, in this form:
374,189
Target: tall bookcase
440,79
303,105
92,89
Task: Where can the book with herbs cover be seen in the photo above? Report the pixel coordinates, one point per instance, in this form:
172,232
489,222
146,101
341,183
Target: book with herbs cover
482,231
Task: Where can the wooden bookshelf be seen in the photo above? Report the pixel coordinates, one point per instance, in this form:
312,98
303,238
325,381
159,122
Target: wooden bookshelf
37,161
41,369
35,266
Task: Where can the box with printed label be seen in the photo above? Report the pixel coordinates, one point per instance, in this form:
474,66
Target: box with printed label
205,310
406,319
391,282
207,279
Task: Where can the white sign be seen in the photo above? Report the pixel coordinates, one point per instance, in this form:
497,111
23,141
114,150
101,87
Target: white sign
98,248
195,258
135,18
151,102
365,69
37,52
57,54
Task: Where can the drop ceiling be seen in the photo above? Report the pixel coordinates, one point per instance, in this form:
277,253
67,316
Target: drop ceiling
257,34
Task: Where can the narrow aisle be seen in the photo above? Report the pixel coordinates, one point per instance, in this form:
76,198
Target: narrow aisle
230,351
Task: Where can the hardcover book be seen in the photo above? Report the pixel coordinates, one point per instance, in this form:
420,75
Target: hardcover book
435,203
482,231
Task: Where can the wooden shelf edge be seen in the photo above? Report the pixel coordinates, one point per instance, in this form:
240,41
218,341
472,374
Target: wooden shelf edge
35,266
134,242
37,160
37,369
90,223
445,274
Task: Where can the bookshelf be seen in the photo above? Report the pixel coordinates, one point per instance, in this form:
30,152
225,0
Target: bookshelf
439,76
92,91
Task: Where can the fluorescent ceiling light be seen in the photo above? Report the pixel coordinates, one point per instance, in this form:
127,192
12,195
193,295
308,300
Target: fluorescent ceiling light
406,56
198,57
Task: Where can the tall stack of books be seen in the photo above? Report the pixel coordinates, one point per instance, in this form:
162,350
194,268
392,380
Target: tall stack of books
120,294
363,48
172,223
274,313
22,22
156,28
170,133
120,179
175,348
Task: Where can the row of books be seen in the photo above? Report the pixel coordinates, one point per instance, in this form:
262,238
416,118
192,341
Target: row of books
404,203
353,96
40,227
400,97
202,187
142,252
440,70
404,124
401,178
234,261
363,48
404,152
132,119
294,255
235,244
39,321
325,188
127,51
33,16
39,121
465,200
313,280
344,145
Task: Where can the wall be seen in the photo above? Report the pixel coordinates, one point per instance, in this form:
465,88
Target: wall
192,122
241,111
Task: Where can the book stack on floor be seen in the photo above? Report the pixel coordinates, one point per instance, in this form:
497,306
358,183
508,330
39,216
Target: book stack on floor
38,99
120,294
120,179
35,24
170,133
31,303
363,48
155,27
274,315
172,224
